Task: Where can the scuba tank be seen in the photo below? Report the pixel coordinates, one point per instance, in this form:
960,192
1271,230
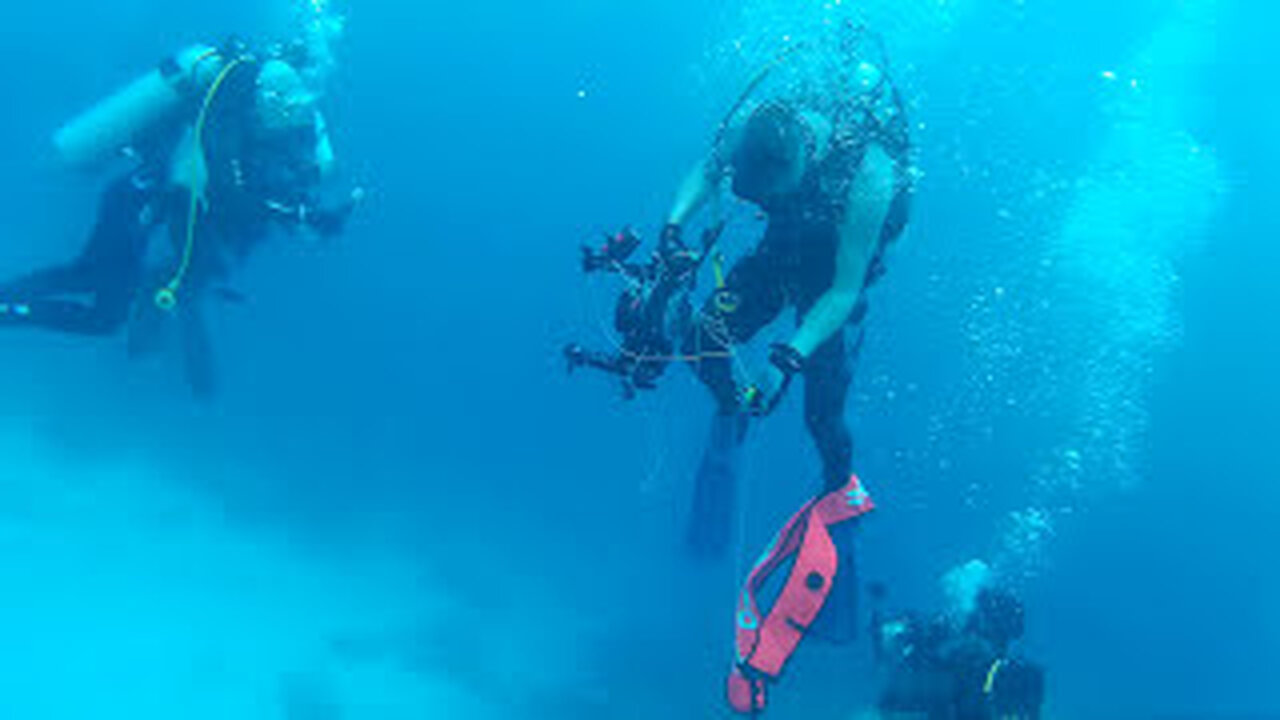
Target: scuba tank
107,128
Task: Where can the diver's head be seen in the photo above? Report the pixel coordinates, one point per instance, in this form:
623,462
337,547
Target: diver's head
282,101
999,617
772,155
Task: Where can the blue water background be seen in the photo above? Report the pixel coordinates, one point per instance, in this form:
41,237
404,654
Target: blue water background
397,400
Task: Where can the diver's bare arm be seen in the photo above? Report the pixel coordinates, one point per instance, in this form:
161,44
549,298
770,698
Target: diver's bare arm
869,202
699,187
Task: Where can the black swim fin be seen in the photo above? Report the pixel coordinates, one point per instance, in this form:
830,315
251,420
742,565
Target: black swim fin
197,355
715,489
838,621
147,331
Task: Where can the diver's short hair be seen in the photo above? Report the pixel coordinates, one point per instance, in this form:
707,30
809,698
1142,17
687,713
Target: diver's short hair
774,131
772,142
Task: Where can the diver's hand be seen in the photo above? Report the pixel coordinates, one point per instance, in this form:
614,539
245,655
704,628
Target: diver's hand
764,396
671,239
785,362
331,222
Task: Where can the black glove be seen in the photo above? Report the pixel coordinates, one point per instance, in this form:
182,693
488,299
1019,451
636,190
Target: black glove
764,397
331,222
671,240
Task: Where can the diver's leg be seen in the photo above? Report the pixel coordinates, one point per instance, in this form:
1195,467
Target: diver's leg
108,271
750,300
31,301
68,279
62,316
102,316
827,377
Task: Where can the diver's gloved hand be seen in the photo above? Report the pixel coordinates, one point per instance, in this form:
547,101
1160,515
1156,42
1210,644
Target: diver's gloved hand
672,239
331,222
763,397
785,362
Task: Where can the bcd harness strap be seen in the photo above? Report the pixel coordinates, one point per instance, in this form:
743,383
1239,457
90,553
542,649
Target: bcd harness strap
764,645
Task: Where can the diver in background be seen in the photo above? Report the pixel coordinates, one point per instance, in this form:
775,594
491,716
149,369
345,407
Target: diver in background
226,144
832,176
957,667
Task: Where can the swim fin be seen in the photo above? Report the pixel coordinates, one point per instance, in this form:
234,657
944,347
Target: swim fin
838,621
147,332
197,354
715,489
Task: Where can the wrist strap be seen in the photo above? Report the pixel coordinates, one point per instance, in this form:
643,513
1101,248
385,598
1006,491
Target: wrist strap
787,359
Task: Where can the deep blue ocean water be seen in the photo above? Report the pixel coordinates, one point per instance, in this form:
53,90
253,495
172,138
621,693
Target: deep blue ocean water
400,506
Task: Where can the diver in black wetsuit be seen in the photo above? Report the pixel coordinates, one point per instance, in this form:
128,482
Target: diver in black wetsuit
949,669
261,152
832,176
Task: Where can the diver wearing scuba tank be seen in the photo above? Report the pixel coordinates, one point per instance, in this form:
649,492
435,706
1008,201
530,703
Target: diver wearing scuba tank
957,666
830,171
227,145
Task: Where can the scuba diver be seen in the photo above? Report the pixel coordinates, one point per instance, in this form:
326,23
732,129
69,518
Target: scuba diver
957,666
225,143
826,159
830,170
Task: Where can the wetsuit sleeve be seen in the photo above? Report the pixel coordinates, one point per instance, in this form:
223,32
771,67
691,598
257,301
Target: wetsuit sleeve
871,195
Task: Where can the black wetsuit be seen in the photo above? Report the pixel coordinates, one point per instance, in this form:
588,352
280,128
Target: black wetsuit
948,675
794,265
946,668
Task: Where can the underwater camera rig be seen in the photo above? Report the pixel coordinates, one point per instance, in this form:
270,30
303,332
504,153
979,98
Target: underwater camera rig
652,312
